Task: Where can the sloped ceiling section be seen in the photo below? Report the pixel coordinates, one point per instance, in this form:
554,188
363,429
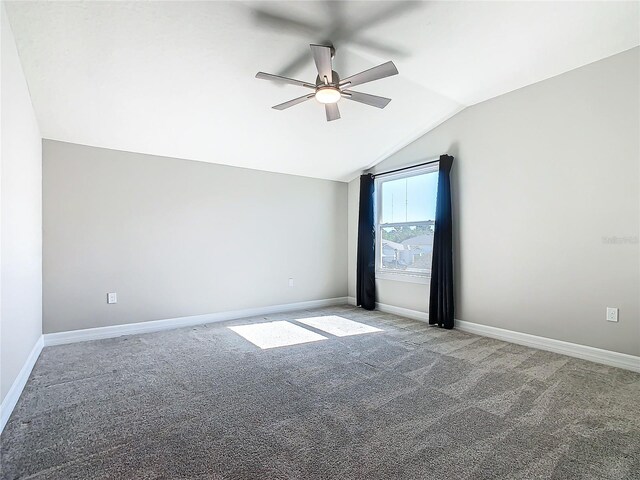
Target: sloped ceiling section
177,78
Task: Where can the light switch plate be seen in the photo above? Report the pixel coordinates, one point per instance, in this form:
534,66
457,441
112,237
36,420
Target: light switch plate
612,314
112,297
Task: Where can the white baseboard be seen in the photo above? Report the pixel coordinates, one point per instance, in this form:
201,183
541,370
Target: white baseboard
597,355
10,400
73,336
351,301
403,312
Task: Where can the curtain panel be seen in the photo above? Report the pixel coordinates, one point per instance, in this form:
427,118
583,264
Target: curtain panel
441,302
366,259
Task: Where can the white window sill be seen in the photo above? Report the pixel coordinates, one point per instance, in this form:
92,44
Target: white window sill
404,277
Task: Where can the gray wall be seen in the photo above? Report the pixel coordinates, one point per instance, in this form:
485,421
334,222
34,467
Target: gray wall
21,213
176,238
545,177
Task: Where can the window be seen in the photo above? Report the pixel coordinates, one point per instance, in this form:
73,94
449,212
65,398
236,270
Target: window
405,213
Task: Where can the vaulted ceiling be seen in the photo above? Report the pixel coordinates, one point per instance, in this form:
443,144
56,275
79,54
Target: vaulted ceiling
177,78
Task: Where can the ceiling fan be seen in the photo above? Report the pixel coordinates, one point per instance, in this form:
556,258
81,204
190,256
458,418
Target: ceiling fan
329,88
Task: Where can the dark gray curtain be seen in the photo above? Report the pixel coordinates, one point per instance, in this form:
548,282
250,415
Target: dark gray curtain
366,267
441,309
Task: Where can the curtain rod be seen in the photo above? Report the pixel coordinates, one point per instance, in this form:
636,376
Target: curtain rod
429,162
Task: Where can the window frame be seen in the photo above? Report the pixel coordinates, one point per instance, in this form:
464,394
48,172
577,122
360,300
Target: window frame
390,274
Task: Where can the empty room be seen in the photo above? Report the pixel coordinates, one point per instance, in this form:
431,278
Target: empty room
350,240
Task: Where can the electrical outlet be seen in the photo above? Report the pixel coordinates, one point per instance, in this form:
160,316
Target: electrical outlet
112,297
612,314
291,282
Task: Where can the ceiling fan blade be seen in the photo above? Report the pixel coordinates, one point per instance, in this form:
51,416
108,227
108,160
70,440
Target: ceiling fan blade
281,22
296,64
278,78
322,57
392,11
293,102
382,48
367,99
331,109
376,73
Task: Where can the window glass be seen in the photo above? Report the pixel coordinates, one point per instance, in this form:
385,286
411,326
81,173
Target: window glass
409,199
406,219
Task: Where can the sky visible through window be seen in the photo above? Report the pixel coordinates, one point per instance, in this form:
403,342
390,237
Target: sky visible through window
409,199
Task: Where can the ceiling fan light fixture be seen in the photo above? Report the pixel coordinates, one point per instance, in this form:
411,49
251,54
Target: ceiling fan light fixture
328,94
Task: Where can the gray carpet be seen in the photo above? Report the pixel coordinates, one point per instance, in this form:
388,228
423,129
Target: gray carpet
412,402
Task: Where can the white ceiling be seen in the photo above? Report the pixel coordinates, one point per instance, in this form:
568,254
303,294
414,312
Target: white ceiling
177,78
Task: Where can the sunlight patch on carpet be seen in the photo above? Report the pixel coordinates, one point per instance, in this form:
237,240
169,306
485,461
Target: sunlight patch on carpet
276,334
338,326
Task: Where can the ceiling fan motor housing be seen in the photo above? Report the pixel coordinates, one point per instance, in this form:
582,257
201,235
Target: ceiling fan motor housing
332,81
